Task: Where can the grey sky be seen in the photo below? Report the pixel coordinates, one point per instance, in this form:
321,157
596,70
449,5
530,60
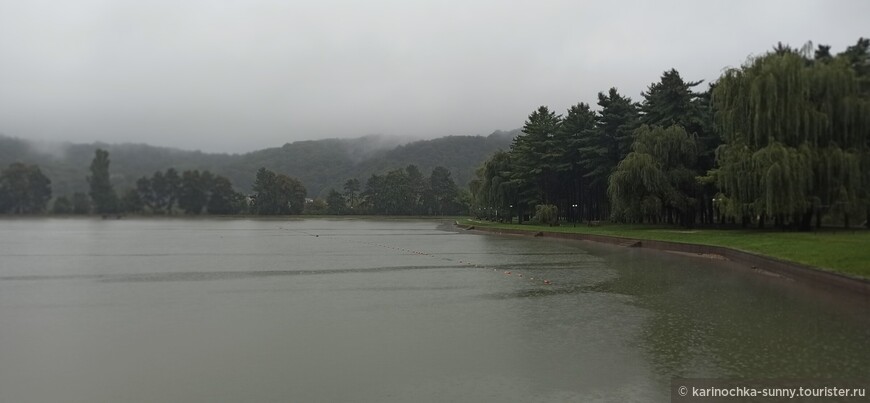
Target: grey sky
222,75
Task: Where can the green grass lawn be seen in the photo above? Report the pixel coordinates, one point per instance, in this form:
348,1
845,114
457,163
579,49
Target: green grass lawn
836,250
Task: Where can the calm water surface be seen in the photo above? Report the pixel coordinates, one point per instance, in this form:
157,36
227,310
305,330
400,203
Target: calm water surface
346,310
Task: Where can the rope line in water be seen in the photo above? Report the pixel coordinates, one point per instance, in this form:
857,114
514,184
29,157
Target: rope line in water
421,253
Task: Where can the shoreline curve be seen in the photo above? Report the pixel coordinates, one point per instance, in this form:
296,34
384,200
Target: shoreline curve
802,273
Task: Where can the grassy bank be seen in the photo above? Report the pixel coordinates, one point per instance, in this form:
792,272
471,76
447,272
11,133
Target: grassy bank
841,251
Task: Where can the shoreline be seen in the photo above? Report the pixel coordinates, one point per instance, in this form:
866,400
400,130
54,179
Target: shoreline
805,274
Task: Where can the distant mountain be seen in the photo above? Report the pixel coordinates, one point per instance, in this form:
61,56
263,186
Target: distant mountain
319,164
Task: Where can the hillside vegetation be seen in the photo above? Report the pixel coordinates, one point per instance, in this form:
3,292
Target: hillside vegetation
318,164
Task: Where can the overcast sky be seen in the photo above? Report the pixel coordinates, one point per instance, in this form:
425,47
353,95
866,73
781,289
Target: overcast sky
235,76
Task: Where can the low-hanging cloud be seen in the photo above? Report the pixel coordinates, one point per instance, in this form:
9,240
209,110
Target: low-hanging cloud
234,76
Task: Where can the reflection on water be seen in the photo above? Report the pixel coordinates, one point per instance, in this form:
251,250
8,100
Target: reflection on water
344,310
744,325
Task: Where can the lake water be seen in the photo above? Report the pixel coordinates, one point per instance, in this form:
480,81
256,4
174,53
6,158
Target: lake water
407,311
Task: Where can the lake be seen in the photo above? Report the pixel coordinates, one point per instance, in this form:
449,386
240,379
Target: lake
394,310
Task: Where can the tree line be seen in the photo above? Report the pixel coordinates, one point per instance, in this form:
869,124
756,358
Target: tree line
784,139
190,192
398,192
24,189
319,164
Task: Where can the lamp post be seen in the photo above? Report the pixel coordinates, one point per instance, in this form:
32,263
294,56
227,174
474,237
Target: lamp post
574,213
511,213
715,203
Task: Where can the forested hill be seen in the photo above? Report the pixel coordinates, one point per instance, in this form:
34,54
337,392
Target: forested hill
462,155
319,164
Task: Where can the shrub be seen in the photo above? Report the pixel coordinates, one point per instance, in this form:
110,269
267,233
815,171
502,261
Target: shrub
547,214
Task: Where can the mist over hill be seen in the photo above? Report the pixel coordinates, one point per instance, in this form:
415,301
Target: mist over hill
319,164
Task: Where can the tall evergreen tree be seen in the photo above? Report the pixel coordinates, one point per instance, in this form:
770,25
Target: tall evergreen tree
617,120
579,132
534,158
609,143
102,193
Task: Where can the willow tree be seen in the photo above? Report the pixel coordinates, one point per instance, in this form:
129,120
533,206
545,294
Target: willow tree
673,101
795,139
494,189
656,181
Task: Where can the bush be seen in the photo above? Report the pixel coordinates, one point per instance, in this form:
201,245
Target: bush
547,214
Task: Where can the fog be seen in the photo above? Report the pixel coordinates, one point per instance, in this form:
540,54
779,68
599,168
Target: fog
234,76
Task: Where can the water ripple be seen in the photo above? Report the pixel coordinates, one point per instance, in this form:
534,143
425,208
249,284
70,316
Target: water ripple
215,275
